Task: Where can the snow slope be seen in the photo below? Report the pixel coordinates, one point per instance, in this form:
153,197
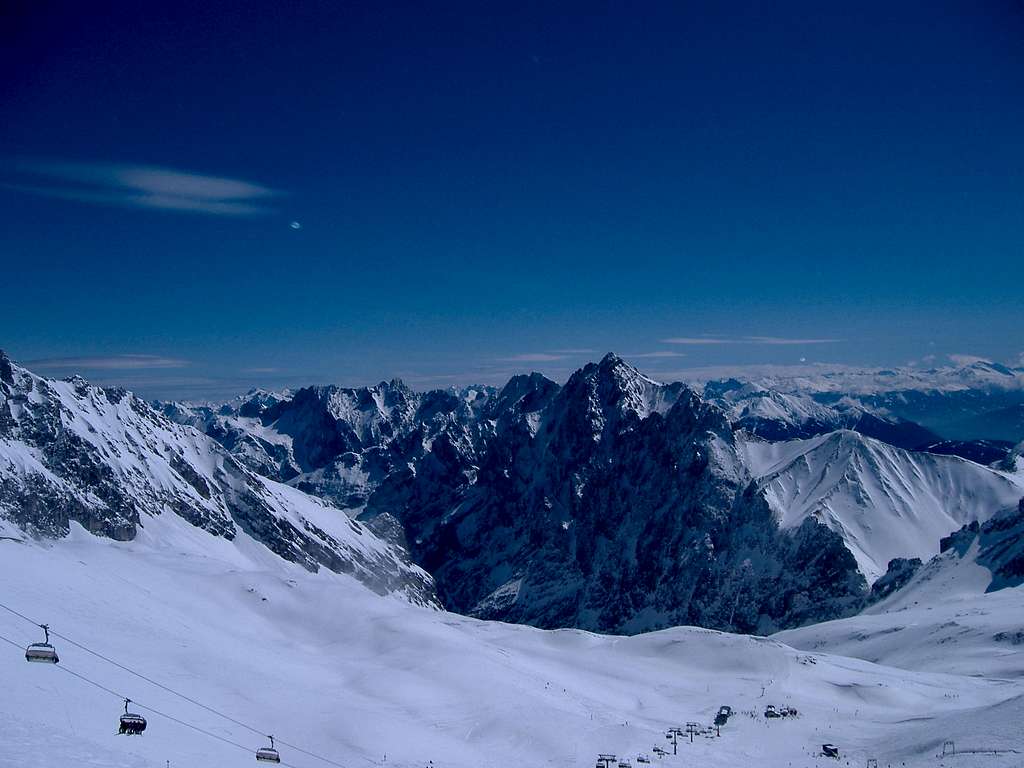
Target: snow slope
962,611
885,502
327,665
943,620
108,461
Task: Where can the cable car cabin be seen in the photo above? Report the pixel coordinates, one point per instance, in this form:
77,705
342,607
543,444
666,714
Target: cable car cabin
41,653
132,724
268,754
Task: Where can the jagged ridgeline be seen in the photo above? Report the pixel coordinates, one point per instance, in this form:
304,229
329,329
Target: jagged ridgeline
612,503
108,461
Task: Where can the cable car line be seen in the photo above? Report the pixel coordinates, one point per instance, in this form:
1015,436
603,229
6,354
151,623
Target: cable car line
19,615
11,642
190,700
155,711
163,687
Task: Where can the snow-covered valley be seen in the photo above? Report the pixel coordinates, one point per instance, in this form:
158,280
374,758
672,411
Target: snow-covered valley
326,665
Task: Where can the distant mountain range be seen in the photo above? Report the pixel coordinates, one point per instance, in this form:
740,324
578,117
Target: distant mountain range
612,502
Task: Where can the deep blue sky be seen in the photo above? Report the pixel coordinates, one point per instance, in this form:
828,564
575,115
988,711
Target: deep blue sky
484,188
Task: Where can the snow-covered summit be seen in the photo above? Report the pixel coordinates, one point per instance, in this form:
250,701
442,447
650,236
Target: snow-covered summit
885,502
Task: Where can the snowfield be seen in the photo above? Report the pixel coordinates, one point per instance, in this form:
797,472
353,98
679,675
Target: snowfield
942,620
325,664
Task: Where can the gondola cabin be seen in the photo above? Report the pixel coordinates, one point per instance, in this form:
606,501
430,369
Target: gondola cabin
42,653
268,754
132,723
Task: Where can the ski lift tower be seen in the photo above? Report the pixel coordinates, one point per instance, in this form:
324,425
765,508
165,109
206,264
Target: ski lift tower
606,761
692,729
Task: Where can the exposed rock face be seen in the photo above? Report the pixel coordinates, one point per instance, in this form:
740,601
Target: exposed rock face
339,443
615,504
108,461
1000,547
901,570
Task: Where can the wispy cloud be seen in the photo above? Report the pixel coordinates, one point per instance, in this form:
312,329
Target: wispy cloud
967,359
111,362
658,354
140,186
533,357
549,356
769,340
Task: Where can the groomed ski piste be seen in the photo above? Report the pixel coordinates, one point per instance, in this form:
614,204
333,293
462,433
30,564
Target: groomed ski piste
347,677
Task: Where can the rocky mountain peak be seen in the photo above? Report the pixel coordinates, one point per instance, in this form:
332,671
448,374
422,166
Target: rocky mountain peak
6,369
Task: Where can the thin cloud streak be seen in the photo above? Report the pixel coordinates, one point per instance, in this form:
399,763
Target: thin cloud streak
546,357
654,355
768,340
111,362
532,357
967,359
139,186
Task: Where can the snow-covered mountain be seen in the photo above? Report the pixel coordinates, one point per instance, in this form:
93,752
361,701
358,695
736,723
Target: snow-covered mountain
337,443
883,501
959,612
585,505
774,415
851,381
977,400
614,503
102,458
